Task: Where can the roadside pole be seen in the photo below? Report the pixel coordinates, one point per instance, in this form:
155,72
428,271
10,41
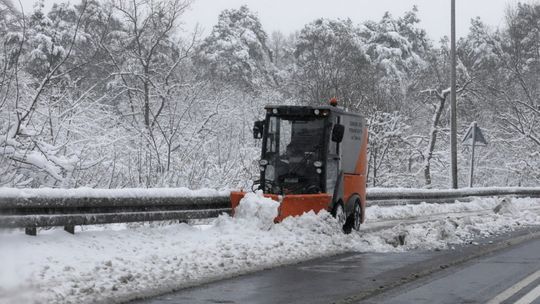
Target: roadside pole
472,154
453,118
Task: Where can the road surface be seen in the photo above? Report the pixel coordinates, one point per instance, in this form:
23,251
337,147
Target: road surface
503,269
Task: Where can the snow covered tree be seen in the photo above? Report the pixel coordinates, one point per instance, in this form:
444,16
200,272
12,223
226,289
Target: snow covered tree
283,47
506,69
30,143
369,67
146,50
111,94
388,146
518,52
331,62
236,50
397,48
432,102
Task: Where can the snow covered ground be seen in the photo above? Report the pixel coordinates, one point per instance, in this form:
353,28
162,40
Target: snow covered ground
134,260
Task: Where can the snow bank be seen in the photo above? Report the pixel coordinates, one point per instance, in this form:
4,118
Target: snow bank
257,209
506,206
423,209
142,260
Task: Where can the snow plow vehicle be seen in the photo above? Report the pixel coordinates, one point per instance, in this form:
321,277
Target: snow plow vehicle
313,158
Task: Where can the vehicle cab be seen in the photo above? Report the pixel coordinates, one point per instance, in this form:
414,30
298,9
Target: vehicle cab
312,158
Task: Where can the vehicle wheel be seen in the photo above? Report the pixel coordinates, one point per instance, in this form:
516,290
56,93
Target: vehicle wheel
343,221
353,220
347,227
339,214
357,215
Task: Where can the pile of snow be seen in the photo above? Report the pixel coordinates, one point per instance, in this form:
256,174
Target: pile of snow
254,208
424,209
137,261
506,207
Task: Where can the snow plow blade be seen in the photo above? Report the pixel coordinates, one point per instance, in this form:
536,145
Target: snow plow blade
291,205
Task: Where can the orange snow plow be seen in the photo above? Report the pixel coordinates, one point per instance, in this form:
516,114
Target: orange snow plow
291,205
313,158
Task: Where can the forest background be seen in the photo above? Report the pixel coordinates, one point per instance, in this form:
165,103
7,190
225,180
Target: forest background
115,93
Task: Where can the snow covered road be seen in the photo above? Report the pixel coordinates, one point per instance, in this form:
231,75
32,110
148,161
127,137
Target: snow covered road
139,260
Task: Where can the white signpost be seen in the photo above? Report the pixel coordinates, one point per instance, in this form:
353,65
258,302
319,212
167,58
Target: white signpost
474,134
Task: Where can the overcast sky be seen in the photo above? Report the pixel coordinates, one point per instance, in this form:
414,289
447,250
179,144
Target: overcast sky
291,15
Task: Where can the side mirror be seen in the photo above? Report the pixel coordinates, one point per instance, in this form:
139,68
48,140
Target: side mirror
258,128
337,133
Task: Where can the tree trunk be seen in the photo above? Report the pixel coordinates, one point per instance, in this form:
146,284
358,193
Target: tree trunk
146,98
433,138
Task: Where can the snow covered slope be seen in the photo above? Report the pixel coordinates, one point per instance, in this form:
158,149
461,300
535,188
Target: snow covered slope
134,260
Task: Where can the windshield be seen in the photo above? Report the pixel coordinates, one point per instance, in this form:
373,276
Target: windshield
294,153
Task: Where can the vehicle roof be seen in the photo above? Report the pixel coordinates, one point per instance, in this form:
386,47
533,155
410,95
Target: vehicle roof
336,110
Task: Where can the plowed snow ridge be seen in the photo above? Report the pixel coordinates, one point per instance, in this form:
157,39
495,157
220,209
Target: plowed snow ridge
128,261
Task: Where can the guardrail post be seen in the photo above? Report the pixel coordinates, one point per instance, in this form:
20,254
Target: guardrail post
70,229
30,231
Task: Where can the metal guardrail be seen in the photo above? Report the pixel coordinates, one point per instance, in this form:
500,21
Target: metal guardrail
33,211
400,196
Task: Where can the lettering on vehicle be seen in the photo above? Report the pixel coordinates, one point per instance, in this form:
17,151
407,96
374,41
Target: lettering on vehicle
355,130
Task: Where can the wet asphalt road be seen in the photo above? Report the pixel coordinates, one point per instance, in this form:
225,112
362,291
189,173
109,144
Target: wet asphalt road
477,281
468,274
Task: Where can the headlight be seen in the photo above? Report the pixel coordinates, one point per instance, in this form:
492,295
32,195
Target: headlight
262,168
316,111
275,111
317,164
319,170
263,162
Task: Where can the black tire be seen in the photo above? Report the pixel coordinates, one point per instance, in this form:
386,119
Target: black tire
339,213
347,227
354,219
357,215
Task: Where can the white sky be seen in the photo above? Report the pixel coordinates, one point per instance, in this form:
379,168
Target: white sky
291,15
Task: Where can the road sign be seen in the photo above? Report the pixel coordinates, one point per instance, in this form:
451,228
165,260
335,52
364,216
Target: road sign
479,138
475,136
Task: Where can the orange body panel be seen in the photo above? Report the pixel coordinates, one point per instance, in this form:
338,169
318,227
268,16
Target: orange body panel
356,183
361,165
291,205
294,205
352,185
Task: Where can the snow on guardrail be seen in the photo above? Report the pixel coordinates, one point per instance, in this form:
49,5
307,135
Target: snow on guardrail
83,192
414,193
373,193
